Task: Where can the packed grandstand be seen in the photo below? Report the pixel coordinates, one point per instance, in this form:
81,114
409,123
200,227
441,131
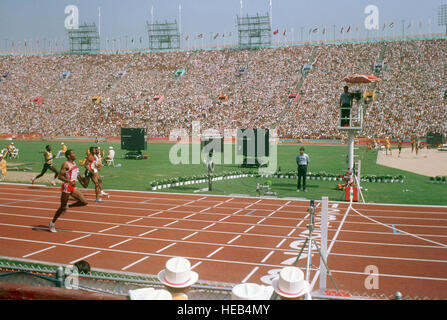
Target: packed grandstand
96,95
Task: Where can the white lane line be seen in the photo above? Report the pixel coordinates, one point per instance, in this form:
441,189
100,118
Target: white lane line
276,210
107,229
79,238
154,214
147,232
38,251
250,274
267,256
170,223
189,216
121,242
291,232
260,221
280,243
85,257
214,252
196,265
204,228
203,209
249,229
134,263
237,211
132,221
190,235
248,206
168,246
224,218
237,237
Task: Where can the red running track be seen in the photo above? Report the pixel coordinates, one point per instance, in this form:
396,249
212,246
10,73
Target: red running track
230,239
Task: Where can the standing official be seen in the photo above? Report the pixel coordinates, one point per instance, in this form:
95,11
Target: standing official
345,105
302,160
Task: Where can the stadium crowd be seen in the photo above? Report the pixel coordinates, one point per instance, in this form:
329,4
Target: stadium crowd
140,90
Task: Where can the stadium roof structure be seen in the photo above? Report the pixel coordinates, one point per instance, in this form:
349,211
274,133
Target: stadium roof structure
254,31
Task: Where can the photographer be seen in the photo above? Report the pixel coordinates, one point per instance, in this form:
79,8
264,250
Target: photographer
345,105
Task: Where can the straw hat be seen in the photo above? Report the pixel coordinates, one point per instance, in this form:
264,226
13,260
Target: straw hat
149,294
251,291
177,273
291,283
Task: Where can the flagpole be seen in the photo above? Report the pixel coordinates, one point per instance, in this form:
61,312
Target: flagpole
240,11
152,15
99,21
180,18
271,14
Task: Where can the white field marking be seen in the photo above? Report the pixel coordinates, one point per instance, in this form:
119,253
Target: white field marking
121,242
107,229
134,263
248,206
78,238
132,221
38,251
334,206
260,221
174,208
250,274
249,229
301,222
235,238
204,209
170,223
237,211
386,258
189,216
226,217
24,200
85,257
280,243
183,229
332,243
290,233
168,246
267,256
147,232
208,226
197,258
214,252
190,235
198,263
281,218
276,210
50,190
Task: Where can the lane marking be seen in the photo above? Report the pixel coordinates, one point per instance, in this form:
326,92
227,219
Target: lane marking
168,246
121,242
153,214
267,256
260,221
189,216
204,259
249,213
280,243
79,238
250,274
170,223
231,241
38,251
189,236
224,218
107,229
249,229
198,263
132,221
204,228
134,263
85,257
291,232
236,212
214,252
147,232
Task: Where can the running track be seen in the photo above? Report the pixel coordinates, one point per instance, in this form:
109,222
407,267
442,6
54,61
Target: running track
229,239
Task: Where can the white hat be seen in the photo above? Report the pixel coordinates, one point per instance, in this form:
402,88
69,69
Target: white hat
110,147
149,294
178,273
62,143
291,283
251,291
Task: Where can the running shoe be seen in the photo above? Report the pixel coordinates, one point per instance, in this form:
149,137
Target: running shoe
99,200
52,227
32,180
105,194
53,183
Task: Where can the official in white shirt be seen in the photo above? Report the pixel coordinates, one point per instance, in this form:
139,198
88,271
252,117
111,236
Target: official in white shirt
302,160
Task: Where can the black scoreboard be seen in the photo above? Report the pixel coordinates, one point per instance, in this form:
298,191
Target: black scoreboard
134,139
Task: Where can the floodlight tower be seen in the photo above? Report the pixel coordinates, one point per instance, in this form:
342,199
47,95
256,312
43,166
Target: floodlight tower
442,16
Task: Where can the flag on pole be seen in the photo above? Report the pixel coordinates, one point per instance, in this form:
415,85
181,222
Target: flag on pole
341,31
384,26
200,35
141,39
276,31
315,30
131,40
324,30
187,37
217,34
356,28
349,29
284,33
410,24
391,24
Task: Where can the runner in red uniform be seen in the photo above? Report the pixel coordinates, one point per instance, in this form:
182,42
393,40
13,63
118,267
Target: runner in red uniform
68,174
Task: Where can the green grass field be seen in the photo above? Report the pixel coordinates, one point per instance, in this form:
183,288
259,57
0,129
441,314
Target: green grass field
137,174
